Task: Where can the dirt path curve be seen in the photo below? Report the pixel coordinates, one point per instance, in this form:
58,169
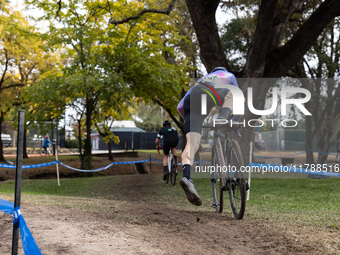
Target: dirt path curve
136,226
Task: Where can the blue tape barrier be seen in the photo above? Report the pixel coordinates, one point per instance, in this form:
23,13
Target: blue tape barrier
179,164
131,162
281,156
293,169
324,153
30,166
28,243
105,167
303,170
156,160
82,170
297,154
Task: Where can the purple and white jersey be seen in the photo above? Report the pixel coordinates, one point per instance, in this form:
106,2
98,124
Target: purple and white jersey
211,79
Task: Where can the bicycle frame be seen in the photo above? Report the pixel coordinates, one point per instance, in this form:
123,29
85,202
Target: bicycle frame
221,141
227,153
169,160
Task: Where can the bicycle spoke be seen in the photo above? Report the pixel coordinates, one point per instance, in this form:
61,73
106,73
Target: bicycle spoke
237,192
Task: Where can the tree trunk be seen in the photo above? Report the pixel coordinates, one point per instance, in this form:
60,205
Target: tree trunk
109,148
324,144
203,17
2,158
309,139
266,57
14,136
79,138
309,119
87,156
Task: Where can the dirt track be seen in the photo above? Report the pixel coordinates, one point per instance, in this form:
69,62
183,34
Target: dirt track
135,225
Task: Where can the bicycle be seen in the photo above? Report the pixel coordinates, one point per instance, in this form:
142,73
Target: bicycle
226,157
48,150
171,168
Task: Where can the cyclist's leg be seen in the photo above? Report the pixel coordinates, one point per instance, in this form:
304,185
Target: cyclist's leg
193,126
173,149
193,140
191,147
166,149
174,154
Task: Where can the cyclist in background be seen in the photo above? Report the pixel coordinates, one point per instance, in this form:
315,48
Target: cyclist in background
190,110
46,144
171,140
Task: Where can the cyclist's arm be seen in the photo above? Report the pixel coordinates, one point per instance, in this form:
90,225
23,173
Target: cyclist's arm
159,136
157,142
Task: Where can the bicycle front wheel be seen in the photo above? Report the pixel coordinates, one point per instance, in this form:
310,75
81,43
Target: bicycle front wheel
217,182
237,184
173,172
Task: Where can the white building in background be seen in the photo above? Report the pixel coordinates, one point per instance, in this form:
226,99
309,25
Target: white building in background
6,140
117,126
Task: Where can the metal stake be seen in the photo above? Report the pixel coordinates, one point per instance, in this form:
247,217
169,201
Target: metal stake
18,177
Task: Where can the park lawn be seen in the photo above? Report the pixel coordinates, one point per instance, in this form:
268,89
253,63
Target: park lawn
43,159
314,202
155,152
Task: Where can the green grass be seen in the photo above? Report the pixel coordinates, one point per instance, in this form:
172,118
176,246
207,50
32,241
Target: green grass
313,202
155,152
43,159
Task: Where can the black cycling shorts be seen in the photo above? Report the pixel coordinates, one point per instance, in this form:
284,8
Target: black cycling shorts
170,141
192,108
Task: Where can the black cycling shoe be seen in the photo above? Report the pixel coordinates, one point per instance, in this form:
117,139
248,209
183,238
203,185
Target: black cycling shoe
190,191
166,178
247,185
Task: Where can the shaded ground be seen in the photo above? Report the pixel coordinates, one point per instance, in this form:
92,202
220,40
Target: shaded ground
49,172
156,167
134,221
134,224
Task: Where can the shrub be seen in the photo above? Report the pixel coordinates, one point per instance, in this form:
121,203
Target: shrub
71,143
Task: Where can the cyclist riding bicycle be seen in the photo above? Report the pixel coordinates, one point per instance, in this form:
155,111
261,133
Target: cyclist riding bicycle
190,109
171,140
46,144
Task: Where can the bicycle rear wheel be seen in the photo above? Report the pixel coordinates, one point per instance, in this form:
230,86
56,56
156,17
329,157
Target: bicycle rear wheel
217,182
173,172
237,184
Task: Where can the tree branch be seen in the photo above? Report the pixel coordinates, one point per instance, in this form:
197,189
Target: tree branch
12,86
280,60
180,125
166,11
59,4
5,69
261,41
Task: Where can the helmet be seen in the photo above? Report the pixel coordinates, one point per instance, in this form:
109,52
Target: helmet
46,136
220,68
166,123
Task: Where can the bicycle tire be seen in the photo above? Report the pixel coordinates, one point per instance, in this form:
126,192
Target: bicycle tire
237,184
173,172
217,182
42,152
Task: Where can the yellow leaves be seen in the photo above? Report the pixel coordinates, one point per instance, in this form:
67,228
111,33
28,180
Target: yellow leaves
114,138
